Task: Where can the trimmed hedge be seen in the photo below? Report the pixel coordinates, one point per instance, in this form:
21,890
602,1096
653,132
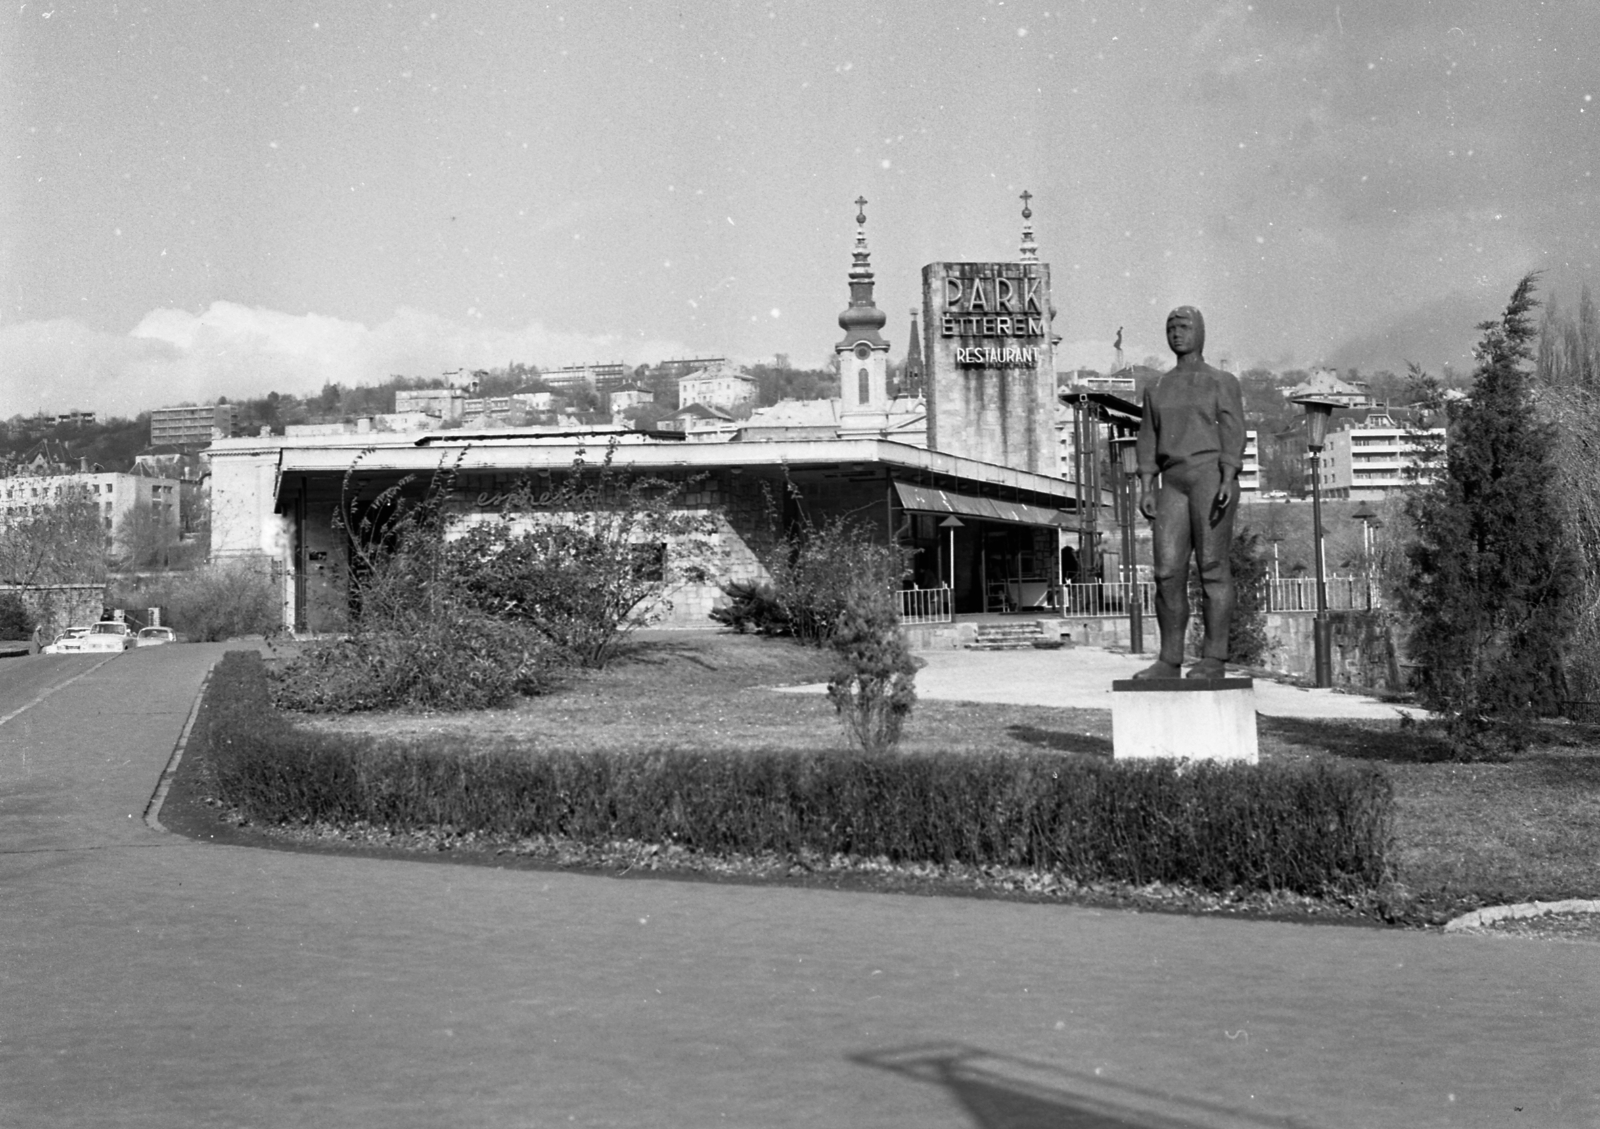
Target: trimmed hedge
1316,828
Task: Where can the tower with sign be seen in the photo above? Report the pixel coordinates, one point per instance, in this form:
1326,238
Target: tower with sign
989,358
863,353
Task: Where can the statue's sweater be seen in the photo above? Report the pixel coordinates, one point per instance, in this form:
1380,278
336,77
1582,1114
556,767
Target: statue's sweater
1192,415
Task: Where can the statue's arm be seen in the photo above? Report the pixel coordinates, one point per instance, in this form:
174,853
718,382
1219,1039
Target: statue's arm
1147,456
1230,436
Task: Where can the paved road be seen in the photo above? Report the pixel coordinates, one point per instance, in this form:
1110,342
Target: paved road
150,980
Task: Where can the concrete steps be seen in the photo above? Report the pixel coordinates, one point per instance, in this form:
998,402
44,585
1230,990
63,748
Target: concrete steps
1021,635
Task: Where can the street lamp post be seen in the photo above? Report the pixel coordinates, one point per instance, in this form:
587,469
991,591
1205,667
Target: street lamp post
1128,451
1318,409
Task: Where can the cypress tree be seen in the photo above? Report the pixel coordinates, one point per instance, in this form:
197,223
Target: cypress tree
1491,572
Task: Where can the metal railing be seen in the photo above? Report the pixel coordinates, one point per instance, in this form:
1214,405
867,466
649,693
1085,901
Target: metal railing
1345,593
1293,594
925,605
1108,599
1113,598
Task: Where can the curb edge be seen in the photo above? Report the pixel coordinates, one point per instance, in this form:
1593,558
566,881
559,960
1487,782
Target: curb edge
152,811
1479,918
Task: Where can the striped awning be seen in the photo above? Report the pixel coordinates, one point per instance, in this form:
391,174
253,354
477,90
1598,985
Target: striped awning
927,499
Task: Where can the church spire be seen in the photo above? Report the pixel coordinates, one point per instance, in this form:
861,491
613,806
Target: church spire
1030,249
912,385
862,320
863,353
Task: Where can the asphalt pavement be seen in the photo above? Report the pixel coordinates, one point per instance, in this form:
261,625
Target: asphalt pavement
147,979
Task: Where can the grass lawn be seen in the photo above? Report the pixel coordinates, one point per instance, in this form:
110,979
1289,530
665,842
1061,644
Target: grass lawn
1467,834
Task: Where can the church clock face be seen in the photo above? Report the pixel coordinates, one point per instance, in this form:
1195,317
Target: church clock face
863,351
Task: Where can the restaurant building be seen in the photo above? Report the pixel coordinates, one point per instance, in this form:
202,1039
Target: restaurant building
979,501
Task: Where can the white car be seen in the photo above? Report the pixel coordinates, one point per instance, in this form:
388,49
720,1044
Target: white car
111,635
65,643
155,636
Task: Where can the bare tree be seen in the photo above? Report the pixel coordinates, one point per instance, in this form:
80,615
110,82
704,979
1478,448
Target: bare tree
61,541
145,539
1567,380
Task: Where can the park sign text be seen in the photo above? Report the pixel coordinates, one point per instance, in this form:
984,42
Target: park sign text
988,348
997,313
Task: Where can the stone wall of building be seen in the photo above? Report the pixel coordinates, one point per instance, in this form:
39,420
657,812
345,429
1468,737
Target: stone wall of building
56,607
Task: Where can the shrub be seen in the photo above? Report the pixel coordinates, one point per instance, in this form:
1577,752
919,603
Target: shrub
420,641
584,561
1317,828
872,682
752,606
223,600
818,570
15,622
452,658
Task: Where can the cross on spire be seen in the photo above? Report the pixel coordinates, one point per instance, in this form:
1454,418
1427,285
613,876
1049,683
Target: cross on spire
1030,249
861,209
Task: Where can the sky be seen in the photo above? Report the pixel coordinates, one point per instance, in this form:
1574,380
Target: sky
229,198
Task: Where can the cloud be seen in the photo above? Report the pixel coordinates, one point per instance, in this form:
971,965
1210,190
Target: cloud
173,356
1438,331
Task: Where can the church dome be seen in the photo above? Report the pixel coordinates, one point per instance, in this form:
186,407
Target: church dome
866,317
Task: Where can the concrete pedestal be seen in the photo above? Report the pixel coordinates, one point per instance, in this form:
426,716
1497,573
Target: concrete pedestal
1210,719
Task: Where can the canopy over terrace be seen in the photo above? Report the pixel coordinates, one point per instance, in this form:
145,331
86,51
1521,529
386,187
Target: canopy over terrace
1011,520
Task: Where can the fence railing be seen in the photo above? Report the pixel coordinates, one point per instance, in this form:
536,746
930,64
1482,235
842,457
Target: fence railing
1114,598
925,605
1109,599
1345,593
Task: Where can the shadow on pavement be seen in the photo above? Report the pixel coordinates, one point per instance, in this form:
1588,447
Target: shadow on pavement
1003,1092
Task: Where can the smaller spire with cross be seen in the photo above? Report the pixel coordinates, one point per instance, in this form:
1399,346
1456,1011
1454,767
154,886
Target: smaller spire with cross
1030,249
862,268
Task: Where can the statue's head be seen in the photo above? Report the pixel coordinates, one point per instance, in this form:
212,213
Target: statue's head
1186,331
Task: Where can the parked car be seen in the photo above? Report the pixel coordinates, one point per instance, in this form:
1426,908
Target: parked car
155,636
65,643
110,635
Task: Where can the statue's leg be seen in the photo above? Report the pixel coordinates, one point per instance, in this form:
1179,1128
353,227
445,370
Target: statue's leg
1213,538
1171,544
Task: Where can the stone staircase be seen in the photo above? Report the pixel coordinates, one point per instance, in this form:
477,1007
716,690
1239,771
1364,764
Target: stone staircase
1018,635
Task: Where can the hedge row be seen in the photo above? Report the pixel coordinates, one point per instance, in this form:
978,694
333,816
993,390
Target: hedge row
1311,828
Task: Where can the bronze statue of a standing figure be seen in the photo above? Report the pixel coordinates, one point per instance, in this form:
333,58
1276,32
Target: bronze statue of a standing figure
1192,436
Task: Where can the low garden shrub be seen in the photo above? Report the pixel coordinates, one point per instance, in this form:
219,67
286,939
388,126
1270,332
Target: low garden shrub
874,671
1316,828
453,658
751,606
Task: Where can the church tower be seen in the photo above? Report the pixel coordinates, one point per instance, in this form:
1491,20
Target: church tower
912,384
863,353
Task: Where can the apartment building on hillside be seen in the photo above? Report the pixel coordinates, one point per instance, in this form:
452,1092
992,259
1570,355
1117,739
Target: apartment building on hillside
1369,454
193,426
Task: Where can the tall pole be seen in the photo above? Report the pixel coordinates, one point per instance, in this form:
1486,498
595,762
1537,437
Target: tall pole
1135,596
1321,628
1128,456
1079,473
